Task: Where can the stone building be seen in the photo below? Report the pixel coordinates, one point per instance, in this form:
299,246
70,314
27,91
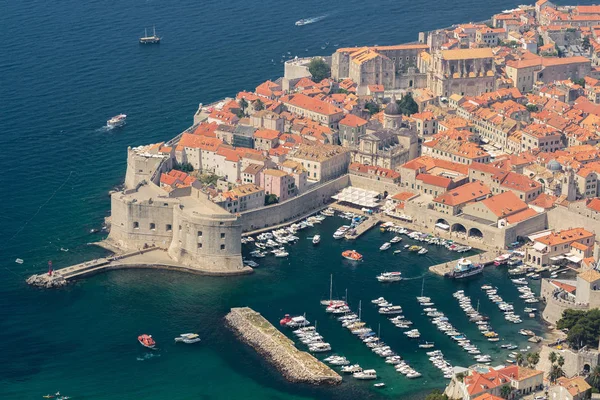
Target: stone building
322,162
394,67
465,71
314,109
386,148
526,72
279,183
350,129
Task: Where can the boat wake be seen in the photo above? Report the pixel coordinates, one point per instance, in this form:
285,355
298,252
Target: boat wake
147,356
312,20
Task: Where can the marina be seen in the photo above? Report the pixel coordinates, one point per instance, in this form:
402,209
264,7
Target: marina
432,353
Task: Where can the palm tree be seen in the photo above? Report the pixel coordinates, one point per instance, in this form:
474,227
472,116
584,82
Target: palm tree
535,359
594,378
555,373
560,361
519,358
552,357
243,104
505,391
528,358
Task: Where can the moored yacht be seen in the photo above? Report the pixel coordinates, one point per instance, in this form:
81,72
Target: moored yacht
366,374
316,239
188,338
385,246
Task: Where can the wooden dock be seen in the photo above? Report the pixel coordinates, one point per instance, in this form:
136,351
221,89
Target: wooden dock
486,258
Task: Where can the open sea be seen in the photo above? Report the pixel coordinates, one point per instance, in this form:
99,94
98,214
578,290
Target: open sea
66,67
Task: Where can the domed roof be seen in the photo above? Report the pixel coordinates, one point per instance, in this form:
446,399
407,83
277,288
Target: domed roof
554,165
392,108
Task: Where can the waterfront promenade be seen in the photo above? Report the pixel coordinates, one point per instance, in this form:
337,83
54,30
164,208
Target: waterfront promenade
486,258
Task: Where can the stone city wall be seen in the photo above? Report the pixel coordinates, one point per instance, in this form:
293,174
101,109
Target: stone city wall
561,218
293,208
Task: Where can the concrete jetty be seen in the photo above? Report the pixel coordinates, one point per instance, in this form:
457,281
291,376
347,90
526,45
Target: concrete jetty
295,365
486,258
151,258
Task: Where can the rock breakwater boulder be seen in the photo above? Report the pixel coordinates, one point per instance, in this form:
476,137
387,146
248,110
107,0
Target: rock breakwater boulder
295,365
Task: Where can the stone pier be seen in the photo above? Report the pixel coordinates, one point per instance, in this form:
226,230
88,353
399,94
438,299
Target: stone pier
486,258
295,365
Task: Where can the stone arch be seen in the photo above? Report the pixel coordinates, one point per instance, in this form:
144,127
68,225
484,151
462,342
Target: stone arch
475,232
442,221
586,368
459,228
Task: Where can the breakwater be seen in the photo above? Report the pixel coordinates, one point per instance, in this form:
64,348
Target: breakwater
295,365
151,258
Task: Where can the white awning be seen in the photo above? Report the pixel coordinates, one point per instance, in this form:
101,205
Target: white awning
574,259
442,226
539,246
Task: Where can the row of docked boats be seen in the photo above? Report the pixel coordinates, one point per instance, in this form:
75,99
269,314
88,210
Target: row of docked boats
385,307
481,321
424,237
506,308
309,336
443,324
357,327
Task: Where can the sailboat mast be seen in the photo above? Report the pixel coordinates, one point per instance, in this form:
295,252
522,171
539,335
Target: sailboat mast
359,309
422,286
330,287
145,32
154,31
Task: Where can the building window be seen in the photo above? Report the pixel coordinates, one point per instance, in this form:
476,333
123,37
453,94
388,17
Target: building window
199,245
169,228
136,225
222,236
222,247
199,233
152,226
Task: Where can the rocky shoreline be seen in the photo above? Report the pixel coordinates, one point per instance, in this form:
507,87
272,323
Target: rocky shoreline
46,282
295,365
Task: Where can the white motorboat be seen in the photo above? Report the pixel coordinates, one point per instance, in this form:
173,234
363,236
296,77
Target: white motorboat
366,374
188,338
390,310
426,345
116,121
396,239
316,239
385,246
423,251
351,369
394,276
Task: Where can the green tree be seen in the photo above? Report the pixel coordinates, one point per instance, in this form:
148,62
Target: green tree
519,359
258,105
319,69
243,104
372,107
586,43
594,378
533,359
185,167
552,357
532,108
436,395
560,361
580,81
408,105
555,373
505,391
460,376
271,199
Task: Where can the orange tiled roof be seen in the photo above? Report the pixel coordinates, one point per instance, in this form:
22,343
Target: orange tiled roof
353,121
196,141
464,194
305,102
268,134
565,236
434,180
505,204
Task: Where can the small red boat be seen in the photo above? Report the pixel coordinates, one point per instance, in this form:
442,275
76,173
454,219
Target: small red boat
284,321
147,341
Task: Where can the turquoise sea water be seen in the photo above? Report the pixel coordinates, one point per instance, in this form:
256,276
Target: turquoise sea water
65,67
